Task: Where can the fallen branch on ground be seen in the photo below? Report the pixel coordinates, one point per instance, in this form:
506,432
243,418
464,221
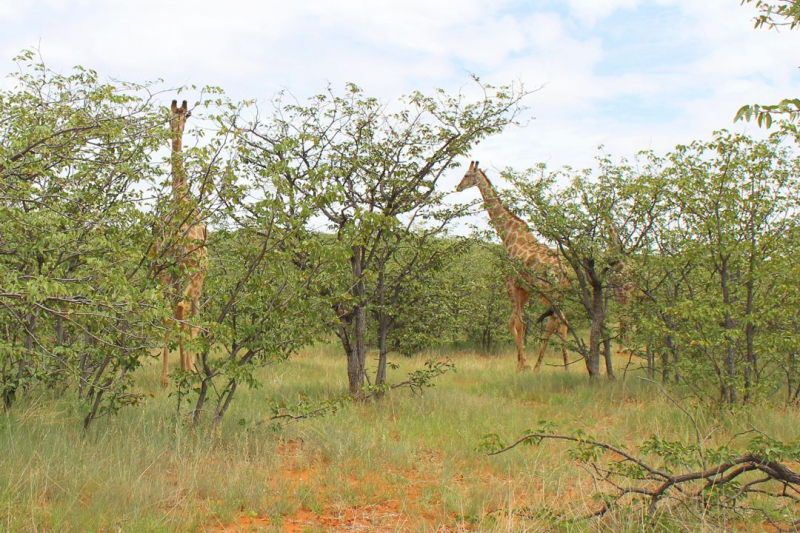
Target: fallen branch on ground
761,471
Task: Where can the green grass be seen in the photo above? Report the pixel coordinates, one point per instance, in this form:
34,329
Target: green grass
406,463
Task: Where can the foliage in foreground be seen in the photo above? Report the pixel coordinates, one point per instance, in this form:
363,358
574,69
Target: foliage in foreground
773,15
700,245
666,475
78,309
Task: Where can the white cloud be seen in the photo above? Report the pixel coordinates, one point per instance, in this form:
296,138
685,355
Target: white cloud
253,48
590,11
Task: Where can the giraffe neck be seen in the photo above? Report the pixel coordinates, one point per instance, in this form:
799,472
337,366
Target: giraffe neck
178,171
501,218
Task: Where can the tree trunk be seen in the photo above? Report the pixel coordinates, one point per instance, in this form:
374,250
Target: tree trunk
356,365
204,382
486,338
61,338
609,363
596,333
749,333
383,329
85,368
357,358
24,361
730,353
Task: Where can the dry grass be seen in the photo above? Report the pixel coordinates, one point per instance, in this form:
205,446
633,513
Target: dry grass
406,463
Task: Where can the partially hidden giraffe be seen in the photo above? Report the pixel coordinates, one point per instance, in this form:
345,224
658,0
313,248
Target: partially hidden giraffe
621,283
541,265
187,236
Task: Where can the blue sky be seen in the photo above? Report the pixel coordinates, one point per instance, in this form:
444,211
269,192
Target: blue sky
627,74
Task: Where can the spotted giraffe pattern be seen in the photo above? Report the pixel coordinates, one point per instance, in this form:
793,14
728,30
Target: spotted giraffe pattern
183,290
543,270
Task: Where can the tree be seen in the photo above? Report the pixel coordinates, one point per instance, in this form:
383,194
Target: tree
260,306
459,299
597,224
727,243
776,14
77,307
372,174
773,15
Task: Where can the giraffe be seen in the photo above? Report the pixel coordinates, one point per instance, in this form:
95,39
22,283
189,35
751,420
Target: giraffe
190,253
538,259
621,284
624,292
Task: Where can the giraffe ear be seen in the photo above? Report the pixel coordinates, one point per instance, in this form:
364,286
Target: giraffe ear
174,107
184,107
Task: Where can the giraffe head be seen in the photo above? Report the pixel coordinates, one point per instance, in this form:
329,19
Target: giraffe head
471,177
179,115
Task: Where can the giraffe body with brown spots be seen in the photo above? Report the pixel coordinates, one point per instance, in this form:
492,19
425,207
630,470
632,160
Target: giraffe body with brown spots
624,291
188,236
542,270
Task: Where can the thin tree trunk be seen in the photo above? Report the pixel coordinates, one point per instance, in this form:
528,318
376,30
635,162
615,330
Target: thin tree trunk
749,329
357,365
84,370
98,393
357,358
201,396
383,350
24,361
595,334
792,382
60,336
749,333
383,329
487,332
730,354
224,403
609,363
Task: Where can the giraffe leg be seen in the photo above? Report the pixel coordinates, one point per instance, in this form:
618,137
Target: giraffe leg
517,326
562,334
165,357
519,298
552,325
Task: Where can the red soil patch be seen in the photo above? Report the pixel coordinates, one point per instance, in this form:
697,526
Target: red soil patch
380,517
247,523
400,499
386,501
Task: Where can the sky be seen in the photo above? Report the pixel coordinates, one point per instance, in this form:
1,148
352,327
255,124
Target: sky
625,74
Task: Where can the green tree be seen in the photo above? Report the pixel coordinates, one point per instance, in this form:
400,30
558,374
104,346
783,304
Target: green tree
461,300
259,304
78,309
598,223
773,15
728,241
371,172
776,14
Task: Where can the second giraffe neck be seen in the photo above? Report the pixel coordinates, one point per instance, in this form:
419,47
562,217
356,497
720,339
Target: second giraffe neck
501,217
178,171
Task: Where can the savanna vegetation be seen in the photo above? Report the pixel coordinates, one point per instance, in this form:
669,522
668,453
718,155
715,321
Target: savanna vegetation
353,366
